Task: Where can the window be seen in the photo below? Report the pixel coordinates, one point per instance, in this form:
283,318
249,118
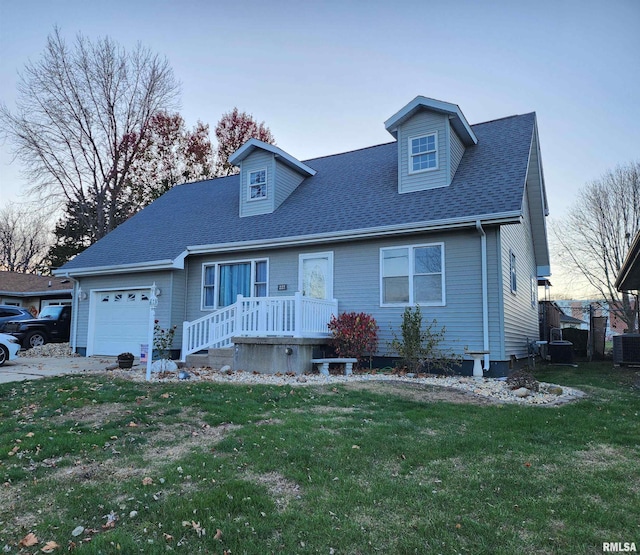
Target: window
258,184
223,282
512,271
423,153
534,291
412,275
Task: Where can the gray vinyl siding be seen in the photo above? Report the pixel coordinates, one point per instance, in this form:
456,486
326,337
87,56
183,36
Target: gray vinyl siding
457,150
167,304
520,318
423,123
286,182
257,160
357,284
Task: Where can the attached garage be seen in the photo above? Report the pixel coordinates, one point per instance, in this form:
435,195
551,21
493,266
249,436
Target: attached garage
119,322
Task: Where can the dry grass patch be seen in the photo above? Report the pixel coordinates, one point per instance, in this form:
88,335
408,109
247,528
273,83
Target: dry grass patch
420,392
94,415
269,422
175,441
95,472
601,456
282,490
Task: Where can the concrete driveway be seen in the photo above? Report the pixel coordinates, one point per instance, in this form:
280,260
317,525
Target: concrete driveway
32,368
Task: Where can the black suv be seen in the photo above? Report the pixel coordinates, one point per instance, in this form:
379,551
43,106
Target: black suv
52,325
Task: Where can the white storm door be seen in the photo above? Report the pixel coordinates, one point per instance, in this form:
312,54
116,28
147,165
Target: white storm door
315,277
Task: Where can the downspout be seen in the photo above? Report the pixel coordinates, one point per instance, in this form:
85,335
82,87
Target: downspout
485,294
75,300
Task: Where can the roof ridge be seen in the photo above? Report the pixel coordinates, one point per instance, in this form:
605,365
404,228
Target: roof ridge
502,119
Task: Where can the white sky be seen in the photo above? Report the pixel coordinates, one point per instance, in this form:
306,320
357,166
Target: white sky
325,75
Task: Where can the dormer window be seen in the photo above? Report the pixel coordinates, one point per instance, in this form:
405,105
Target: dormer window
257,184
424,153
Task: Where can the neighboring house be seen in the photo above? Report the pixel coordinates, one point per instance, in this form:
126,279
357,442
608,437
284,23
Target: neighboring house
448,215
34,292
629,275
567,321
585,309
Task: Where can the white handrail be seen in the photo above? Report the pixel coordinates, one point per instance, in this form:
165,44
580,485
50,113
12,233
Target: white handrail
291,316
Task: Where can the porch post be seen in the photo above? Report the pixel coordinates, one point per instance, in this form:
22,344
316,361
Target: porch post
238,323
153,304
185,341
298,319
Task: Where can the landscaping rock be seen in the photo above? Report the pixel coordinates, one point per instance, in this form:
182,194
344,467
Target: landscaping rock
554,390
164,365
521,392
225,369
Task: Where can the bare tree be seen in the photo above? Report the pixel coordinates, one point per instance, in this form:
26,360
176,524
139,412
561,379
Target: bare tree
81,120
597,234
232,131
24,240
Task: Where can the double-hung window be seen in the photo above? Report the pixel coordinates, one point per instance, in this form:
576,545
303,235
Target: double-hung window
423,153
412,275
223,282
512,272
257,184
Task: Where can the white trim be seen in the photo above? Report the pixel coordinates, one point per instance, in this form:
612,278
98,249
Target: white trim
265,184
410,154
305,256
216,277
298,240
458,121
248,147
411,249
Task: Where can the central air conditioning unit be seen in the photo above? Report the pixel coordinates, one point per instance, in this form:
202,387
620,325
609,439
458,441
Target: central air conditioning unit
626,349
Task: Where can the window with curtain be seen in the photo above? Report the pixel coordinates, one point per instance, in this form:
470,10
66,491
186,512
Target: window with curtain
223,282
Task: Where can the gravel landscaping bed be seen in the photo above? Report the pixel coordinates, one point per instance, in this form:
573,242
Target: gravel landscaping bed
495,390
492,390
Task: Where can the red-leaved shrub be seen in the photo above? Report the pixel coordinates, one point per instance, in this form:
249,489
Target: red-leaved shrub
354,334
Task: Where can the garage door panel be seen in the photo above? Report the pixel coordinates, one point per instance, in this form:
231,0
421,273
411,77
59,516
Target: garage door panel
121,322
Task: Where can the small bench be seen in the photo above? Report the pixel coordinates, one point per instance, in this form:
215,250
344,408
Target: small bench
323,364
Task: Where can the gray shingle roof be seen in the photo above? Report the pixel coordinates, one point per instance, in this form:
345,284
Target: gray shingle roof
355,190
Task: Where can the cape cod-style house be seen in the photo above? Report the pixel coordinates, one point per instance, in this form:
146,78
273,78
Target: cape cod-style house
448,215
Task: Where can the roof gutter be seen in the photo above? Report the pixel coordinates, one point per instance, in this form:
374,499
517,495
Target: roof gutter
167,264
298,240
46,292
349,235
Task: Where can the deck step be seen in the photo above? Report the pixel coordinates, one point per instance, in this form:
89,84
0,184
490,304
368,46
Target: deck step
220,357
197,360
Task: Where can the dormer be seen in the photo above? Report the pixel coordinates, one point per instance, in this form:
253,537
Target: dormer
268,175
432,136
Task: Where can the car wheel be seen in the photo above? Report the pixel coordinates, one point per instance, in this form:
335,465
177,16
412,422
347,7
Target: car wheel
34,339
4,354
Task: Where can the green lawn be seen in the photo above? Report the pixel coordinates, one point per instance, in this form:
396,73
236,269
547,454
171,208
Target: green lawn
210,468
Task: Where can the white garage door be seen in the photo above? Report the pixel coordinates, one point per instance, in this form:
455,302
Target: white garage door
121,322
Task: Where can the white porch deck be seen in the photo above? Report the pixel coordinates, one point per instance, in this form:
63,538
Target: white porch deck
292,316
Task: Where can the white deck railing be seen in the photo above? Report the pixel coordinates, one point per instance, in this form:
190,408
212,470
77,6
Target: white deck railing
295,316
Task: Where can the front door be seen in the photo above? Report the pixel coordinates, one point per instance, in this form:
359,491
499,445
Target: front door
316,275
